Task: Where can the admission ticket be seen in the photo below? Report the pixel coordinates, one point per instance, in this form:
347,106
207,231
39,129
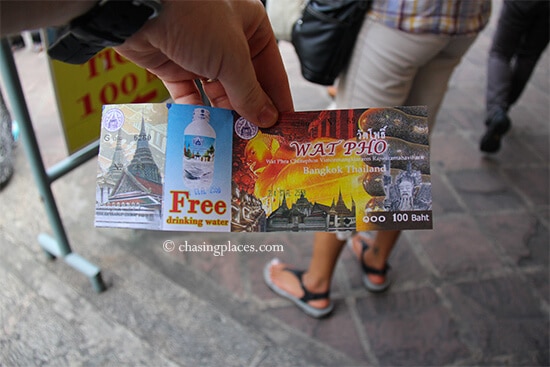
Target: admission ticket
195,168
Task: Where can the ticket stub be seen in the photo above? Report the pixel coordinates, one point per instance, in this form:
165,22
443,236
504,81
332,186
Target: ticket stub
195,168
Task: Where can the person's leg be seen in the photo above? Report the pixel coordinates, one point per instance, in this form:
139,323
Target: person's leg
431,80
383,66
381,73
503,88
318,277
378,252
428,88
508,34
531,47
392,68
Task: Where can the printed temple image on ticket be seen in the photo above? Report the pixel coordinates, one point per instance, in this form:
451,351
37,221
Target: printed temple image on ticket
195,168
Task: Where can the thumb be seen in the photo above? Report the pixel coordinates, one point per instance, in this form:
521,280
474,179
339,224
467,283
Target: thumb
248,98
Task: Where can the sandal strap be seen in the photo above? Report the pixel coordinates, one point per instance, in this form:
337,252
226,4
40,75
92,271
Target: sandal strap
368,269
308,296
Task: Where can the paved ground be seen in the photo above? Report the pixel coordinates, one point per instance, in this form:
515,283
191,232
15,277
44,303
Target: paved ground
474,291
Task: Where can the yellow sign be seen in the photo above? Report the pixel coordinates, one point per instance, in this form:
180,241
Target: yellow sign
107,78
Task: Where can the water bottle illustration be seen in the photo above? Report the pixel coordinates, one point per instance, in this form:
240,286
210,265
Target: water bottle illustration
199,147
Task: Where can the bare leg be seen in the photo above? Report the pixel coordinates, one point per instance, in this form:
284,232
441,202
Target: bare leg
378,253
317,279
326,249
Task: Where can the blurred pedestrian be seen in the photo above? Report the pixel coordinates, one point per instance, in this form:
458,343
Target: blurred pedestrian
405,54
520,38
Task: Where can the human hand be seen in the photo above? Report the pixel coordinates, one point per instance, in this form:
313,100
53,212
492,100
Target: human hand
228,41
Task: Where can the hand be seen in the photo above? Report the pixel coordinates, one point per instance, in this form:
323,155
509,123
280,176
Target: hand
228,41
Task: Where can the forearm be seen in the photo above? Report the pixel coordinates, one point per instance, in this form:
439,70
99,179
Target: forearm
18,15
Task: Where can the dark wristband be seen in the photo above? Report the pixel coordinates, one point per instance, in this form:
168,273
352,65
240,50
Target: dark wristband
109,23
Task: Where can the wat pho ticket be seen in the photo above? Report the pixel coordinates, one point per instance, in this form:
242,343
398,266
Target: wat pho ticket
194,168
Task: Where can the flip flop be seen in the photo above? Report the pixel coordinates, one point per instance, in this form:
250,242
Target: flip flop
371,287
300,302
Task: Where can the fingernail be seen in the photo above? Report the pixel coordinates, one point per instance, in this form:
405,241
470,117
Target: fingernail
268,116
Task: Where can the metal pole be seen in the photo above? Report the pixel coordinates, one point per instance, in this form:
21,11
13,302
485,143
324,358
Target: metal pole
6,143
74,160
28,138
58,246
